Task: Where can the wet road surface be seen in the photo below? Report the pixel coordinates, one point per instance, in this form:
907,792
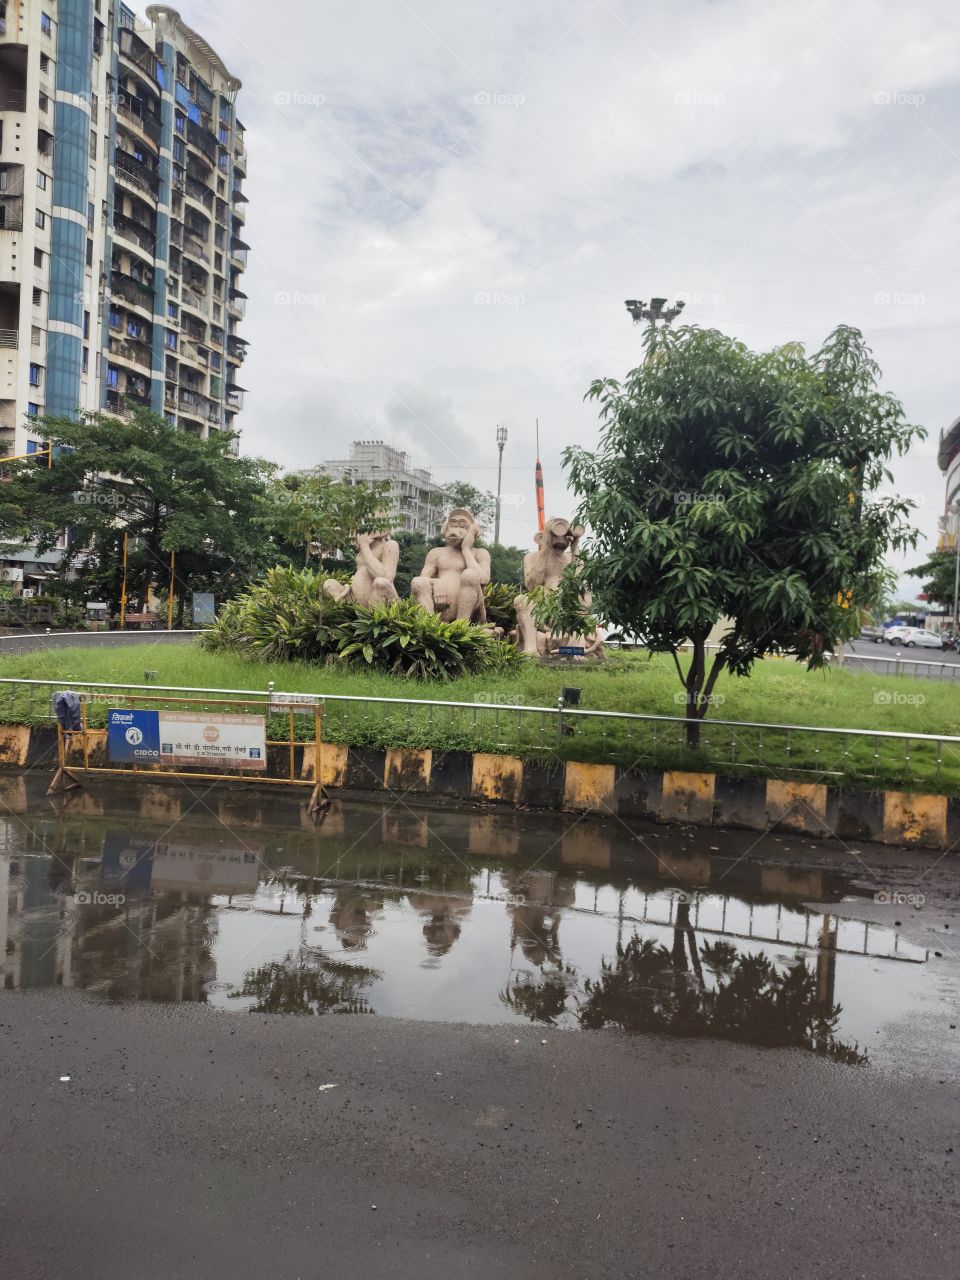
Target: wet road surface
679,1059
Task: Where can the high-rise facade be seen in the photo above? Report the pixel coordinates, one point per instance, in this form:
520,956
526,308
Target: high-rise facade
417,501
122,164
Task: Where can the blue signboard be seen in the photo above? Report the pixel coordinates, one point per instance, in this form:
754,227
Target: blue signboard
133,736
571,651
127,860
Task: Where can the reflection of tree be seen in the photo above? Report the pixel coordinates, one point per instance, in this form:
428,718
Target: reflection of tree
544,1001
648,988
308,982
441,915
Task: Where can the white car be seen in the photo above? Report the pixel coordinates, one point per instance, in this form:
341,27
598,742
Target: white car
917,637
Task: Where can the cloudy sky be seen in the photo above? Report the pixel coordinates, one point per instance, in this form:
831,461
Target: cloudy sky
450,201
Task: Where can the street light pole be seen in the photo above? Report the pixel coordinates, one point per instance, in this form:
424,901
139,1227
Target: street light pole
956,569
501,441
653,311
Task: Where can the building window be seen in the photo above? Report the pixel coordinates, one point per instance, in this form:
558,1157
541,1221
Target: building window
113,376
114,319
38,257
215,360
46,24
37,297
40,218
33,411
86,325
35,375
44,103
180,123
44,62
93,144
90,216
89,253
41,180
171,340
172,310
86,359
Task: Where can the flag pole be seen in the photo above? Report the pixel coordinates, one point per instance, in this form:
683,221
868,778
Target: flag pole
541,520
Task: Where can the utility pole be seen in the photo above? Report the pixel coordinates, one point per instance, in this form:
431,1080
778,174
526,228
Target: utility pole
653,311
956,568
501,441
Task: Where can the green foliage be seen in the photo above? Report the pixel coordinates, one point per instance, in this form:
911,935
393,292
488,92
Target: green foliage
299,510
284,617
741,485
506,566
413,552
563,610
938,575
481,502
498,598
287,617
168,490
403,639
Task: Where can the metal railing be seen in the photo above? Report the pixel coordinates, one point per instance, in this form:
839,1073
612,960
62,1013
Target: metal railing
899,664
625,739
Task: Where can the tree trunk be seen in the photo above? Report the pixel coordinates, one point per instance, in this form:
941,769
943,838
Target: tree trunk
694,708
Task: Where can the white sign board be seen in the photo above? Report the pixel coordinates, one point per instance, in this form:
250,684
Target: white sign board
301,704
230,741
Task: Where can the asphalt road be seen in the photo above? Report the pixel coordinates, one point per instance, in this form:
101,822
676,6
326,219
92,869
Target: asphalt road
911,660
31,641
189,1144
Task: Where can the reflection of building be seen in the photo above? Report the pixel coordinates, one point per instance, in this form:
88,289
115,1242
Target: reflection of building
121,211
415,499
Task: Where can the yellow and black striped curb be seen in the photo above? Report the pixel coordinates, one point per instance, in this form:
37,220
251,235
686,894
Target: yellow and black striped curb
606,790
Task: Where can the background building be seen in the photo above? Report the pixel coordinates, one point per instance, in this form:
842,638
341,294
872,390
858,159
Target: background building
416,500
948,457
121,213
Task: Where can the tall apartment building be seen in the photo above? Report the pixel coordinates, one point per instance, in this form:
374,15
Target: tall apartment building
948,458
417,501
121,215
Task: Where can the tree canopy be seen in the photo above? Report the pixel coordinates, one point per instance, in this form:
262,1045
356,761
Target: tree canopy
737,486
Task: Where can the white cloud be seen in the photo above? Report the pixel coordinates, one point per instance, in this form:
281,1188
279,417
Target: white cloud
462,196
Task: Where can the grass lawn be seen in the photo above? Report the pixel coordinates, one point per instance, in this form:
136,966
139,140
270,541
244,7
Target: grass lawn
778,692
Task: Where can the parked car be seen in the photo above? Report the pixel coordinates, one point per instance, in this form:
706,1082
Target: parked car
917,637
892,635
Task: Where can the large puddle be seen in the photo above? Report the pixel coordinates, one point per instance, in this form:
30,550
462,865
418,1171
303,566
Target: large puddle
469,918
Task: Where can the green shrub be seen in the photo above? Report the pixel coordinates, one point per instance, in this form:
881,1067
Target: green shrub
284,617
403,639
498,597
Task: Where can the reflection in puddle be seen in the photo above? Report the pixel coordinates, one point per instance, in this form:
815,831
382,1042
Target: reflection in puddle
409,917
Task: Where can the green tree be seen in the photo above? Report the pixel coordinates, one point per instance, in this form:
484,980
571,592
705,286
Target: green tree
308,512
730,484
167,490
938,576
506,565
481,502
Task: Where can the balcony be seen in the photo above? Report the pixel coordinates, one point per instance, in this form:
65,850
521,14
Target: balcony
131,112
13,100
194,247
237,349
131,351
203,141
237,303
138,174
137,232
239,252
132,291
190,298
139,53
200,192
